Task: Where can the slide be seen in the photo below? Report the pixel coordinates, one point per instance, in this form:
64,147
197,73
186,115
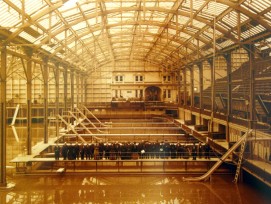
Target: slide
218,163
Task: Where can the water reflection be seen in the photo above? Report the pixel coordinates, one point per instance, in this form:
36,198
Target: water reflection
127,189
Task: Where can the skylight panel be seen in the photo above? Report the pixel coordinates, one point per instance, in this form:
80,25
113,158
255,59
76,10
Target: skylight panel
200,43
44,21
128,4
57,27
268,16
184,35
70,17
86,37
96,33
214,8
72,44
9,17
167,5
112,5
68,5
113,20
223,25
232,19
253,31
171,31
32,7
33,31
192,29
18,3
150,3
153,29
88,6
59,55
93,21
79,26
183,19
206,16
144,43
149,39
175,44
155,16
226,43
46,47
61,36
113,31
207,35
256,6
198,24
147,14
28,37
196,4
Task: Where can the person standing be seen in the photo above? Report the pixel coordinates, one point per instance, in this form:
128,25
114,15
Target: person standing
194,152
200,150
207,151
77,151
57,152
64,151
87,152
82,152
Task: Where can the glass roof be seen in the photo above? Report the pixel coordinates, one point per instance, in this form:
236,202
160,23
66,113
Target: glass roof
167,33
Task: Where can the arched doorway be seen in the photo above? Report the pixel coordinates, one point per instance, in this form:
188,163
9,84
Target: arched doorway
153,93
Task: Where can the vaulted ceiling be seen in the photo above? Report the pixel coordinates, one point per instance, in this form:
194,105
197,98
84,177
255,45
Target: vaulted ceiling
89,34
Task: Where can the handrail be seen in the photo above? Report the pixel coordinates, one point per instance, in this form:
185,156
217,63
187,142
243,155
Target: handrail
86,118
219,162
71,128
89,112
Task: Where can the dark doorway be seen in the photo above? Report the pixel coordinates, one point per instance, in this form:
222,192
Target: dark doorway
153,93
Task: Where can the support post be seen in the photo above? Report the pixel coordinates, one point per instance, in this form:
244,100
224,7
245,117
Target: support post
45,96
3,182
212,64
252,87
72,87
29,53
77,89
200,66
82,88
192,86
65,77
85,89
185,92
229,98
57,96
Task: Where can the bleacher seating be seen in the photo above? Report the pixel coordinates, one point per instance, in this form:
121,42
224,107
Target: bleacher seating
241,90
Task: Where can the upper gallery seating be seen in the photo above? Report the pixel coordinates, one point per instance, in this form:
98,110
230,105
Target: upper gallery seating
241,91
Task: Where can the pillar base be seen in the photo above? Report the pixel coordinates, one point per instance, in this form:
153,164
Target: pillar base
8,186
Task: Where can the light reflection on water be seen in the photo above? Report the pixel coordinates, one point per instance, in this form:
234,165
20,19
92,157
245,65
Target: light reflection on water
15,148
128,189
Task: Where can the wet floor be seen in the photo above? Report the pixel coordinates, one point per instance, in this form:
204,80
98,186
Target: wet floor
68,189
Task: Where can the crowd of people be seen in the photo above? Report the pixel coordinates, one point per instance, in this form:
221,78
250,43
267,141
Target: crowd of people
130,150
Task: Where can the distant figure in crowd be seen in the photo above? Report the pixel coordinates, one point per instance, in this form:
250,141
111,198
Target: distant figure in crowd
64,151
194,152
57,152
76,151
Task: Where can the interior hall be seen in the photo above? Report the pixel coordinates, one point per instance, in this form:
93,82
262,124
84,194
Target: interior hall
135,101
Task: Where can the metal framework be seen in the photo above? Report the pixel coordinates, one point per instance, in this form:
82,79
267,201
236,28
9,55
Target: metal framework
89,34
